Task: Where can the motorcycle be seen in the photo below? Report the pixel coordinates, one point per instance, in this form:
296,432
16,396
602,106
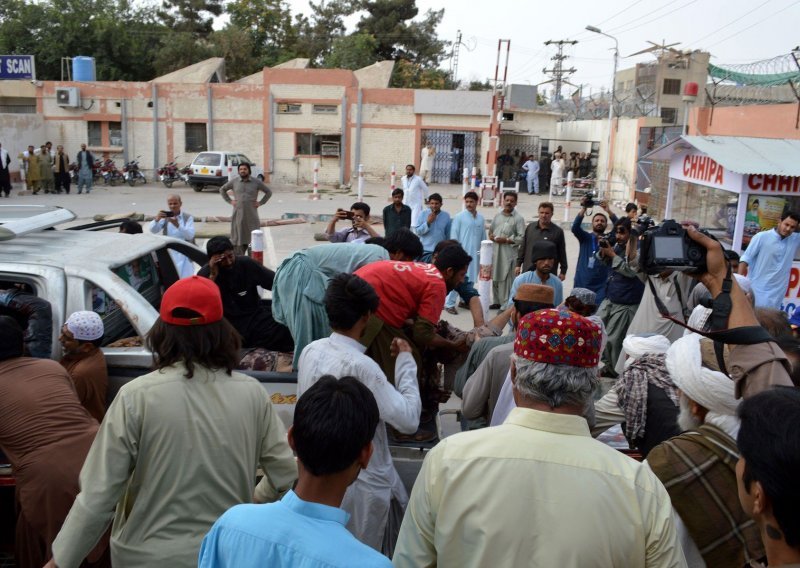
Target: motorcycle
97,174
132,173
110,173
169,174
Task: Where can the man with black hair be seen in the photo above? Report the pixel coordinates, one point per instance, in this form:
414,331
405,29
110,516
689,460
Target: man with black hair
180,445
768,260
415,193
396,215
469,229
45,433
589,272
242,193
768,470
403,245
543,229
411,297
34,314
238,278
433,226
543,259
81,337
298,291
377,499
334,424
506,232
360,229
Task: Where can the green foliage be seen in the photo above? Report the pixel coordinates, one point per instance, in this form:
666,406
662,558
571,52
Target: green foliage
411,75
475,85
193,16
316,35
269,24
236,46
352,52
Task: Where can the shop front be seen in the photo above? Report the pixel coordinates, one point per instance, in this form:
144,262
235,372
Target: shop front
735,187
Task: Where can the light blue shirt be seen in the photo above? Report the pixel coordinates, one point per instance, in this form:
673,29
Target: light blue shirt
531,277
769,262
438,231
469,230
290,533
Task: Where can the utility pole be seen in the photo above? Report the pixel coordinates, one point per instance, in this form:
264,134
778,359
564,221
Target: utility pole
454,58
558,72
498,103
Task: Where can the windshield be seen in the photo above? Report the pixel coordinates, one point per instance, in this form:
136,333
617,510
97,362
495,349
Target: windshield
207,159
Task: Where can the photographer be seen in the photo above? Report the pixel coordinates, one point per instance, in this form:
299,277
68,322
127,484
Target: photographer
623,291
590,273
173,223
360,230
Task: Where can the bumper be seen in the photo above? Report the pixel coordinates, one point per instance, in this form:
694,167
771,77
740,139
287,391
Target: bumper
218,181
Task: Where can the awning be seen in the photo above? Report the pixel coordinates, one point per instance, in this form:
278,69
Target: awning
768,156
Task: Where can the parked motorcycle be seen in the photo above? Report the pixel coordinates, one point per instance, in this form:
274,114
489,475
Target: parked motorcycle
97,174
132,173
110,172
169,173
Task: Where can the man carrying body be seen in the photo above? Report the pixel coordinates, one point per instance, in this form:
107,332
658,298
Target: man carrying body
5,173
506,232
698,467
531,166
543,229
411,292
172,222
426,161
298,291
85,161
81,337
557,482
396,215
45,434
590,272
360,231
623,292
768,260
378,493
542,260
433,227
334,424
238,278
415,193
469,229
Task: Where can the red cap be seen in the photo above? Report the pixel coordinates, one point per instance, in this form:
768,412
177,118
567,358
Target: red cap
194,293
558,336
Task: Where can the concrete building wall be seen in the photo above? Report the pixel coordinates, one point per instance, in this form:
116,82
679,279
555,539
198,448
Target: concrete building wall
16,132
760,121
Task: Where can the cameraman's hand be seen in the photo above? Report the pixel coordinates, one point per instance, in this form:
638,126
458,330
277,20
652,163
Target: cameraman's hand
742,313
604,205
160,215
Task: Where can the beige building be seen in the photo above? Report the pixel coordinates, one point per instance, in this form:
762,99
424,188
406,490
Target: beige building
287,119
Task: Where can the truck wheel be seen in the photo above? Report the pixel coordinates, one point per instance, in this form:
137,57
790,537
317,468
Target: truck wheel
197,187
261,177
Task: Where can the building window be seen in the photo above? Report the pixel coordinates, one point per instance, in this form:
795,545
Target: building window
672,86
94,133
115,133
196,140
669,115
508,116
17,105
289,108
318,144
324,109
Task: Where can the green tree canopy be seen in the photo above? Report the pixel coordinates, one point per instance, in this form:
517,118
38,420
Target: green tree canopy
192,16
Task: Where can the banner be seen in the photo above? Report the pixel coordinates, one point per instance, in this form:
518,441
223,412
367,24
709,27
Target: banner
17,67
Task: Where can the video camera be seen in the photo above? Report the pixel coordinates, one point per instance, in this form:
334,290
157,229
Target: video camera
590,200
669,247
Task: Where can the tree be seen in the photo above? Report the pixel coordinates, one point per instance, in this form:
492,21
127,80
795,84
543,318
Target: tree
389,22
193,16
236,46
269,24
414,76
476,85
180,50
316,35
352,52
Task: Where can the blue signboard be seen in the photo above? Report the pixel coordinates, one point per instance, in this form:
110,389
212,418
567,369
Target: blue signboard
17,67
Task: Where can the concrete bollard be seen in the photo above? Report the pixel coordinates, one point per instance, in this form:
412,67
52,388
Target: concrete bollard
484,284
257,246
315,194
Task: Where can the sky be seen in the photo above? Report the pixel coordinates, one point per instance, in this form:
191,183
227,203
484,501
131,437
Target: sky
734,31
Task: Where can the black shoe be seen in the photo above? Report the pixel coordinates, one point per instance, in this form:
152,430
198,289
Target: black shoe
494,307
453,311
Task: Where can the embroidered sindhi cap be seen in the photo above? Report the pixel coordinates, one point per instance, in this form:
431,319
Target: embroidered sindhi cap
198,294
558,336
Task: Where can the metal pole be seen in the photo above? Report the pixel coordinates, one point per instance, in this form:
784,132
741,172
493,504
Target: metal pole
155,126
124,117
393,179
210,125
271,133
359,105
343,141
361,182
315,193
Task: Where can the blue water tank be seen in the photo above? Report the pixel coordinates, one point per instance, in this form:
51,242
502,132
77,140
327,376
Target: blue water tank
83,68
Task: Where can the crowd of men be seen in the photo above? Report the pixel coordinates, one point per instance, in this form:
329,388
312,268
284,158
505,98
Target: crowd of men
48,170
166,475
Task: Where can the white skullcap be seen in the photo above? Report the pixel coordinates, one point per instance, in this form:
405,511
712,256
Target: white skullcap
637,345
85,326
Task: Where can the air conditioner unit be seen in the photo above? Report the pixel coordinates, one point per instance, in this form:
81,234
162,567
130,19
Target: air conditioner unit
68,97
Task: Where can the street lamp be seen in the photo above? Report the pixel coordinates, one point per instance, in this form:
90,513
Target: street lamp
597,30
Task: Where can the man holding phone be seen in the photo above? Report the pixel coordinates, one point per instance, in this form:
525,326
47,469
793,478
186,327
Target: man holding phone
172,222
360,230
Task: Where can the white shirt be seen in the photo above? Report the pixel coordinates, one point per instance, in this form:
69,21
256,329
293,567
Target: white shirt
532,167
536,491
426,159
369,497
184,231
415,192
